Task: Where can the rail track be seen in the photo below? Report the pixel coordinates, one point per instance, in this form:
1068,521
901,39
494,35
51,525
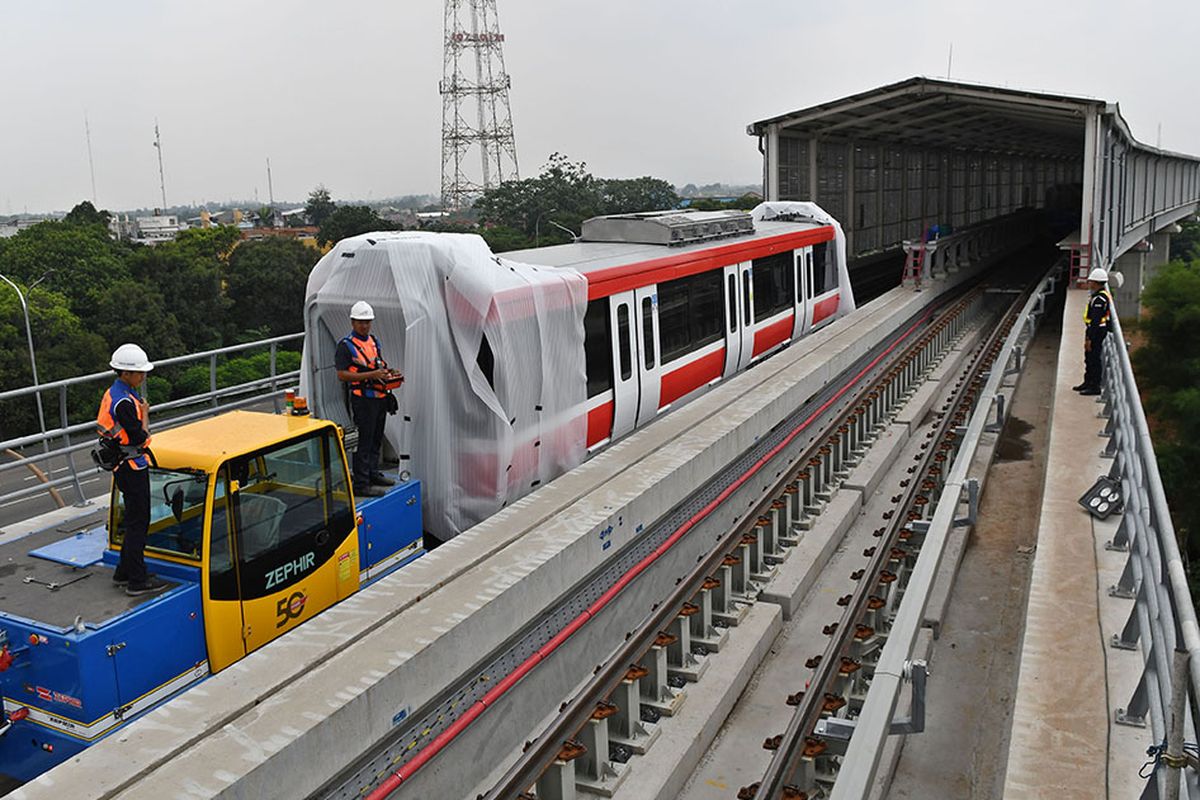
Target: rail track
804,764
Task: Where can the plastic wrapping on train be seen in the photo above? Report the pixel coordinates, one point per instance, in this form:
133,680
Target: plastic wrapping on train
795,210
493,403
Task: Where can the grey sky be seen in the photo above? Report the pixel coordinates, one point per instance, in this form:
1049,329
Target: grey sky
346,93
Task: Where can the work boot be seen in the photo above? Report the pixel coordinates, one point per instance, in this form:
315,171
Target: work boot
1079,388
120,581
379,479
1090,391
369,491
151,585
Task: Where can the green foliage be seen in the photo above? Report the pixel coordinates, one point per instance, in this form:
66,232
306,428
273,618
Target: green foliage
744,203
83,259
320,206
86,214
188,274
564,193
135,311
1168,369
61,343
266,282
1186,245
349,221
242,369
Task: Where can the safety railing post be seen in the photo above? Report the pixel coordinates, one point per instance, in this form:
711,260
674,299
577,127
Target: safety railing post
80,500
212,378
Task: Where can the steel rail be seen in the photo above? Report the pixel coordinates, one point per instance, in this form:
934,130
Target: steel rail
780,772
875,717
576,712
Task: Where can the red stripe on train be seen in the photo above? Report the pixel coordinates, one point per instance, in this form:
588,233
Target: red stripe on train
691,376
599,423
826,308
605,282
773,334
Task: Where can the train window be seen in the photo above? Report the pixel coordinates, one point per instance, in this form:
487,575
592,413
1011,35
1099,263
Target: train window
597,347
292,507
648,331
732,304
704,295
623,340
487,361
689,313
773,285
673,313
824,268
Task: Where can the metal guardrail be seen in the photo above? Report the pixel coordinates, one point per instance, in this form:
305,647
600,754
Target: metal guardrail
69,439
893,670
1163,617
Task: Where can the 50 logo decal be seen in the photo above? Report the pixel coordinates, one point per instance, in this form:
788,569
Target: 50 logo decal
289,608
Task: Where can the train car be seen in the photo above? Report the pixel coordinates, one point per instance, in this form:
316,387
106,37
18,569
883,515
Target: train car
522,364
253,525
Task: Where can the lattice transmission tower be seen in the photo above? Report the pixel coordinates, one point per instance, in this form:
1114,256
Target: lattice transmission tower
473,35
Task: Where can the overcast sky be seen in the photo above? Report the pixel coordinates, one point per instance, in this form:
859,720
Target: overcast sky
345,93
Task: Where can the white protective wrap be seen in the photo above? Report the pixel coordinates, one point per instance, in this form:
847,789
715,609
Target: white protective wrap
793,209
474,448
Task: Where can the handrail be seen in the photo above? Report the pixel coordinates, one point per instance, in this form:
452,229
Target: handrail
858,768
217,400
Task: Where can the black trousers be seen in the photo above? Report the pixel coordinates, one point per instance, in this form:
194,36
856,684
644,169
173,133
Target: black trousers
1093,364
369,415
134,485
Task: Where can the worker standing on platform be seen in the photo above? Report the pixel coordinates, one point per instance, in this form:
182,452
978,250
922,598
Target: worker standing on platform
124,436
359,362
1095,318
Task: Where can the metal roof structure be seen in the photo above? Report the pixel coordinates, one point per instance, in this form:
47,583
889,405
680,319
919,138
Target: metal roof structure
892,161
928,112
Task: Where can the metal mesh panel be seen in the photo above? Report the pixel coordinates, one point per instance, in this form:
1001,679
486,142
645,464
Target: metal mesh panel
865,220
793,168
831,178
893,196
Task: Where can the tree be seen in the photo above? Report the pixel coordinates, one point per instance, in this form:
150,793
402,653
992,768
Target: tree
320,206
64,347
349,221
86,214
266,282
637,194
188,273
1168,368
83,260
151,324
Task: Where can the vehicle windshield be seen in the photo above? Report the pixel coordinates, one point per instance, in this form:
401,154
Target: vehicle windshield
176,513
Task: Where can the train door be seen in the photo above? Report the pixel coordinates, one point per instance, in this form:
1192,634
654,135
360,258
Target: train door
626,395
284,549
733,331
803,283
739,318
649,368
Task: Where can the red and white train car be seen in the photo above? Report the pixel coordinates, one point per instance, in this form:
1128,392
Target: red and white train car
678,301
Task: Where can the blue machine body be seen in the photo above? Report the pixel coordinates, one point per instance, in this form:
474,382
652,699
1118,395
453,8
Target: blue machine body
87,660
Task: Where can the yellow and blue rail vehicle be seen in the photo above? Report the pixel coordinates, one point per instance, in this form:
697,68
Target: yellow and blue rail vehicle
255,527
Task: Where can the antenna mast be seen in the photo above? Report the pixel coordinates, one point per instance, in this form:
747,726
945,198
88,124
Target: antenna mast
162,183
472,32
270,186
87,130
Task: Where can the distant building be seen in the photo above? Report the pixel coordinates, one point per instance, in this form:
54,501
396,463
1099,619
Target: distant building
146,230
305,234
13,227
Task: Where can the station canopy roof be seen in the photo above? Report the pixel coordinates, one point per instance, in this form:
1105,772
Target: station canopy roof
932,113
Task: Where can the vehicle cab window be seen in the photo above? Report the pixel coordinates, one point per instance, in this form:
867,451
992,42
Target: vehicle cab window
290,506
177,510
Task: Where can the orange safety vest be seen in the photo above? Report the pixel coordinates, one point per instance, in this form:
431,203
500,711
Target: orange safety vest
365,358
107,426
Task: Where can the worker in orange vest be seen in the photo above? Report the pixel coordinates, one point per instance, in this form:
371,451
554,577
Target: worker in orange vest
124,437
1095,320
360,364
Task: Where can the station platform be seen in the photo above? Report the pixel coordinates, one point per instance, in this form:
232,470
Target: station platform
1064,742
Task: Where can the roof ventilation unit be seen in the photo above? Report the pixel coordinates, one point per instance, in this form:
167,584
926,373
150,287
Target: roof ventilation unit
672,228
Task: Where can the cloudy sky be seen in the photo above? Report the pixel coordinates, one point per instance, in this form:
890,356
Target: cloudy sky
345,93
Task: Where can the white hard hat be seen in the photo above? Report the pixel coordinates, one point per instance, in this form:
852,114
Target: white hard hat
130,358
1098,275
362,310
